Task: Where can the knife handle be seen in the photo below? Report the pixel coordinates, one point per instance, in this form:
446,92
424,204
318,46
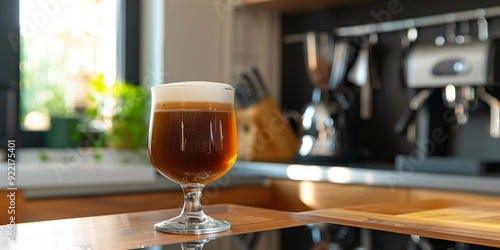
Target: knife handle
366,101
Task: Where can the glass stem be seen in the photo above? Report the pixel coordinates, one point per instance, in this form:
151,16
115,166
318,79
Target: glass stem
192,211
194,245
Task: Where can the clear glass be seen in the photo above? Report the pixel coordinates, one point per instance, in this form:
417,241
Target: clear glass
192,141
194,245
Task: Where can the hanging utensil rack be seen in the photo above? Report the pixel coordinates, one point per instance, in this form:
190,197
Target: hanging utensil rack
399,25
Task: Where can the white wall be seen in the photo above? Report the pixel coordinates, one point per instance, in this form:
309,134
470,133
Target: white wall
208,40
256,40
192,48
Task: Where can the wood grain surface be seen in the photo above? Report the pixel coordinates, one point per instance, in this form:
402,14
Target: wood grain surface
135,230
462,221
300,196
474,222
264,134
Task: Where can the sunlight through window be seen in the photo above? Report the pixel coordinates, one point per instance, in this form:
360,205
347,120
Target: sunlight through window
64,44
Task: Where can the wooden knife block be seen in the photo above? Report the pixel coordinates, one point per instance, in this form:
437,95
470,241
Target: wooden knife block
264,134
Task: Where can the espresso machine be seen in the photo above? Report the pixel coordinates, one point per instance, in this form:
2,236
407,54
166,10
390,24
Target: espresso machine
460,69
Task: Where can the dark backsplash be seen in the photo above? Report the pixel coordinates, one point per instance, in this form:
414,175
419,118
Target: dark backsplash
375,139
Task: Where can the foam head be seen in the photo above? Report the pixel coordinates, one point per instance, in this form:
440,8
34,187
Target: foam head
197,91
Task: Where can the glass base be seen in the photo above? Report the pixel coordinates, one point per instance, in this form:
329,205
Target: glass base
175,225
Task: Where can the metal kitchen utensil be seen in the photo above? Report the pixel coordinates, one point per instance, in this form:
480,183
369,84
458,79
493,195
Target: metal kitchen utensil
482,29
458,98
359,75
415,104
451,34
318,48
494,111
372,62
321,131
407,37
464,33
341,54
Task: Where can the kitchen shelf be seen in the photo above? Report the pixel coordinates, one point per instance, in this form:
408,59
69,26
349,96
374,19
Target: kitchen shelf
288,6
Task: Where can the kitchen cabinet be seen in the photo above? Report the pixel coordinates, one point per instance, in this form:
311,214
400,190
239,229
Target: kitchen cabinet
30,210
279,194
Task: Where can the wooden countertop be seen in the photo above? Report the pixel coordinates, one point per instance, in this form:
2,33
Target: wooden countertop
135,230
462,221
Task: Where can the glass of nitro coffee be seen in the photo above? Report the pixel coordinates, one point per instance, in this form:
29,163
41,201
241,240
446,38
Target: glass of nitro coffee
192,141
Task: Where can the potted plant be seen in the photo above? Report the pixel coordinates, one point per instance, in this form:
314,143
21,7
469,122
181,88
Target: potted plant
129,106
64,122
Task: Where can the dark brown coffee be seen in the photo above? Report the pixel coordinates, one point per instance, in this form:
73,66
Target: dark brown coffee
193,142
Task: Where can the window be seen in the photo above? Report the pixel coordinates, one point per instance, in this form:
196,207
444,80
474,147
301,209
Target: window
64,44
